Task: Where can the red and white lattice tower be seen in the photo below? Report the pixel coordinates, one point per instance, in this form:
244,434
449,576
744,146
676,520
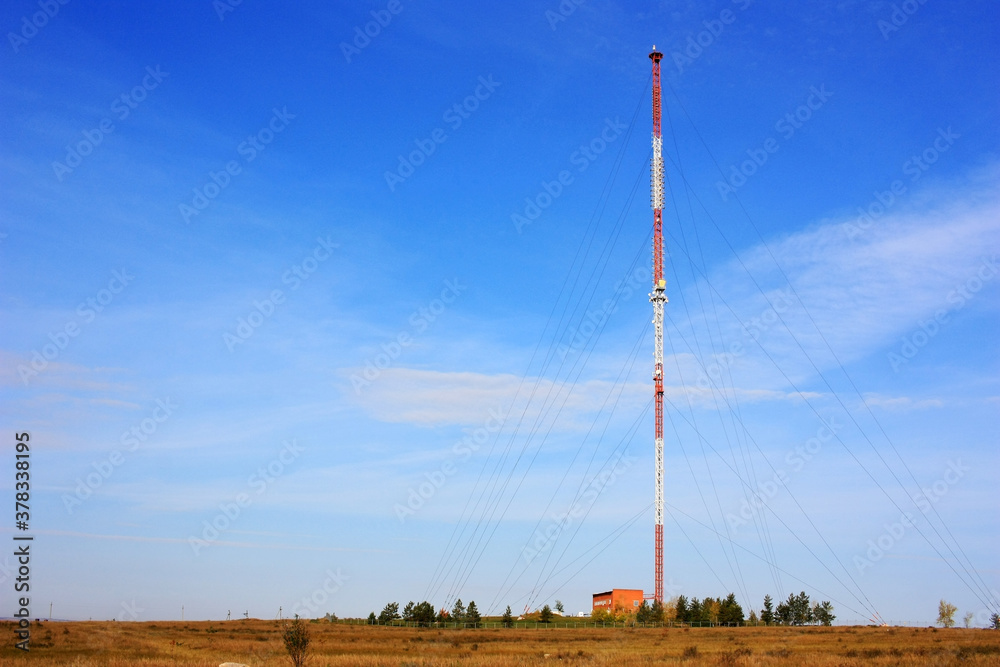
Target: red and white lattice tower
658,297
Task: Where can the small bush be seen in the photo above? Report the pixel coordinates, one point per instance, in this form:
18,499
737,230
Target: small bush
296,638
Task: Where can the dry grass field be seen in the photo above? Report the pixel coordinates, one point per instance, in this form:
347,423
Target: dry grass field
258,643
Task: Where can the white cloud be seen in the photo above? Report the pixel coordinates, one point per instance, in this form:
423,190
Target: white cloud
438,398
902,403
863,289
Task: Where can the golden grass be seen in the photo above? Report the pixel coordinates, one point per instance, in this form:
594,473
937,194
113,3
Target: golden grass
258,643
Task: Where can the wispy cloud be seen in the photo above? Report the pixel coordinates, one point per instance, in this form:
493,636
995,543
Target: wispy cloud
440,398
178,540
902,403
861,291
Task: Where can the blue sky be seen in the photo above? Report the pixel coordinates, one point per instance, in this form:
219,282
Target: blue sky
264,270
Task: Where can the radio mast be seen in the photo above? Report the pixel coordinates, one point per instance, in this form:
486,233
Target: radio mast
658,297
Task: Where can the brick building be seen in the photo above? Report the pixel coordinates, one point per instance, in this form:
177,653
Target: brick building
624,599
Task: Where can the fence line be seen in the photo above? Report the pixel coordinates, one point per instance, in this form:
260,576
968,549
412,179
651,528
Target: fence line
536,624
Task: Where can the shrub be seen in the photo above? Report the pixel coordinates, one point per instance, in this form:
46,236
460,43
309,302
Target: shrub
296,638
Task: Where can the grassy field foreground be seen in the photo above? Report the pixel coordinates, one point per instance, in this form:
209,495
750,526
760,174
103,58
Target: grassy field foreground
258,643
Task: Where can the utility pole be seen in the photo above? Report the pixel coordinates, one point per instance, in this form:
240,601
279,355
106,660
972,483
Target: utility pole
658,297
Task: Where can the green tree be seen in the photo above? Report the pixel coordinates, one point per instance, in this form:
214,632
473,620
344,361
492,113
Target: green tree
559,606
822,613
694,611
801,610
656,612
995,621
683,611
372,619
508,618
783,613
767,613
946,614
730,611
389,614
295,635
472,616
796,610
644,613
421,613
546,615
458,611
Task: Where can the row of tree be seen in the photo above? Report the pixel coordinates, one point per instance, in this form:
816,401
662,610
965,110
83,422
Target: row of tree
796,610
710,610
946,617
422,613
